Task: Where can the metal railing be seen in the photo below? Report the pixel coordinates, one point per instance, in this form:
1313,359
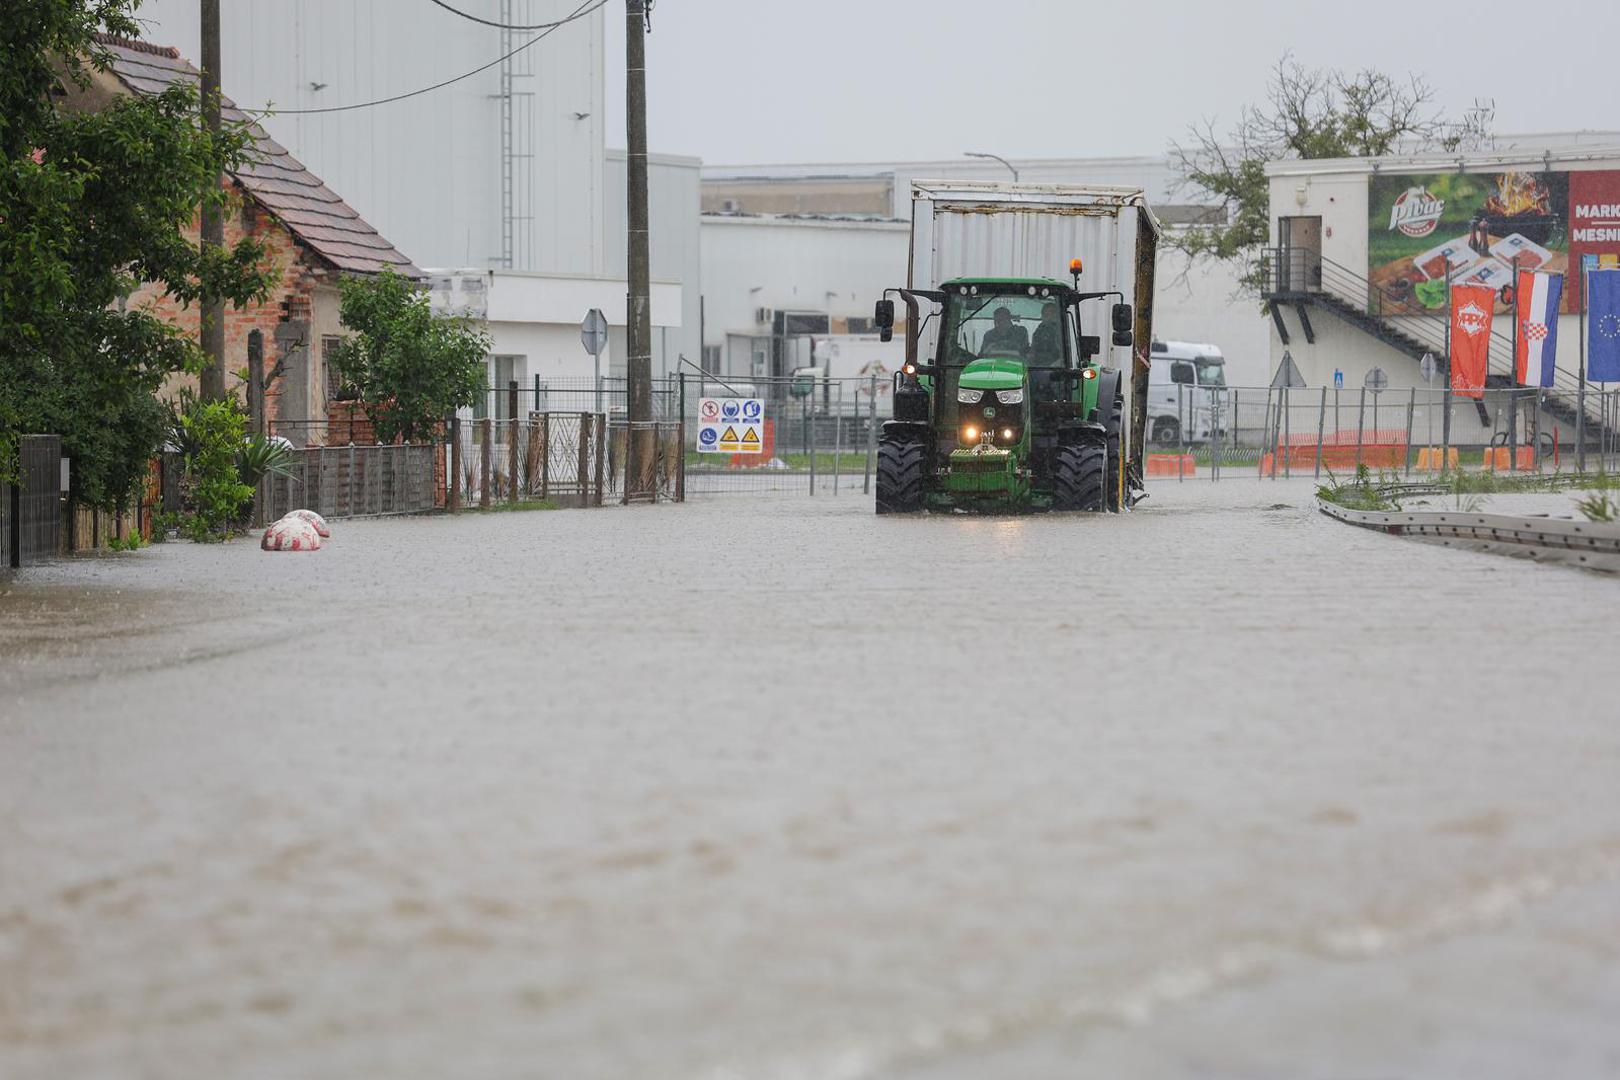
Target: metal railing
1302,273
31,509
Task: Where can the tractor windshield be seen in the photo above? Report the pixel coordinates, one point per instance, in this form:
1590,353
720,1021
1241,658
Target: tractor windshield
1015,326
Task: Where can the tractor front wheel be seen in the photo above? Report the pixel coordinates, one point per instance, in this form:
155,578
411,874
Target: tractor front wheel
901,467
1078,478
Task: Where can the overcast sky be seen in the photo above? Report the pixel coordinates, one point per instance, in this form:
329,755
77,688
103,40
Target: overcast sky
760,81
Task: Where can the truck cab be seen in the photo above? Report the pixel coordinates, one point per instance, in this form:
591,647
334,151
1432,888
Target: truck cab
1184,380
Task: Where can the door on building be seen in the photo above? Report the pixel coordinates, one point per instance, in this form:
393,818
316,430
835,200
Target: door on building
1301,243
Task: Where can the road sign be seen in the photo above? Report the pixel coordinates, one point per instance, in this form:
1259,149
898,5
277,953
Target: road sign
593,332
731,426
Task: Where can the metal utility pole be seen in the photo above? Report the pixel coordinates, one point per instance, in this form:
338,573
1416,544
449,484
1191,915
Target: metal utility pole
212,328
638,323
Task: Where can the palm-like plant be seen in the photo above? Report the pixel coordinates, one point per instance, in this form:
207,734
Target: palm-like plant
262,456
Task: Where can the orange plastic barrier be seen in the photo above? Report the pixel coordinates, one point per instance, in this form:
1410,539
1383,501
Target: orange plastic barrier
1429,457
1497,458
1171,465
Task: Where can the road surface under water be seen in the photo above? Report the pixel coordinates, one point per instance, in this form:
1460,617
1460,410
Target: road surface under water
775,788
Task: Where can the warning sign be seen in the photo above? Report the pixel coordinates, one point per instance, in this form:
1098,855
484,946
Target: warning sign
730,425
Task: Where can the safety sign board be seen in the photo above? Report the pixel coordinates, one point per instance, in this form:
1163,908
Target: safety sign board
731,426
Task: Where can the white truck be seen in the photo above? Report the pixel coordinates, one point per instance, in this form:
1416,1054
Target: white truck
1185,380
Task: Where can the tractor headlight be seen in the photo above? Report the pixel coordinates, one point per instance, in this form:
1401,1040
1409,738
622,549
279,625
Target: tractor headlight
969,397
1010,397
970,434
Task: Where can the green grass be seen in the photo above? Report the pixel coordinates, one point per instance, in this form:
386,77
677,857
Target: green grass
503,506
846,462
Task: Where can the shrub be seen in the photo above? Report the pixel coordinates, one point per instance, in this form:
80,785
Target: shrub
214,489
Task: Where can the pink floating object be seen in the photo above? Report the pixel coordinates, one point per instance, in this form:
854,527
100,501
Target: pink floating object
312,517
291,534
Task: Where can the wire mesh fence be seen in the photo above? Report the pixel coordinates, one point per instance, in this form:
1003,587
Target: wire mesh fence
560,457
1283,432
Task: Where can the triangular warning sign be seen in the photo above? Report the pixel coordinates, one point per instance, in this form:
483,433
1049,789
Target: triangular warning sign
730,435
750,437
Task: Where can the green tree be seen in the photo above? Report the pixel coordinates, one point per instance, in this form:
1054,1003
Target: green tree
1307,114
92,204
408,366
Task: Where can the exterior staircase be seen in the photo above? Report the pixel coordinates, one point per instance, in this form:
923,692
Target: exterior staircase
1304,280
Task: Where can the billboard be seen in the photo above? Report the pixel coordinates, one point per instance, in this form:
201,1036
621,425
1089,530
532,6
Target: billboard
1473,226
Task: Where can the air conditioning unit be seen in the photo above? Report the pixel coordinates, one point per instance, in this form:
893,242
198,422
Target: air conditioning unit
730,206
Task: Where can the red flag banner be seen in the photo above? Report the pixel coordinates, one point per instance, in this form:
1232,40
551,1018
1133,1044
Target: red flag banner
1471,308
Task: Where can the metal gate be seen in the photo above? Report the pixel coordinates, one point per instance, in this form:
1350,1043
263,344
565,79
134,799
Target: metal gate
33,506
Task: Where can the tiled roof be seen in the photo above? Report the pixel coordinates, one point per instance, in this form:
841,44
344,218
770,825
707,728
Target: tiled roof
277,181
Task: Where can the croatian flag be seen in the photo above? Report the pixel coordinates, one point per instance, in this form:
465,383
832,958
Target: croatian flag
1603,325
1535,350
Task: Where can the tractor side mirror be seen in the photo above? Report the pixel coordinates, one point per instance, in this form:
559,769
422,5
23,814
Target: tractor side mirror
883,316
1122,319
1090,345
1124,338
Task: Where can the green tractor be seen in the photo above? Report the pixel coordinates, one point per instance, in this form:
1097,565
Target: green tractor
1014,413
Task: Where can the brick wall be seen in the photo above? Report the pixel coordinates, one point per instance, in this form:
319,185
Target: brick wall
292,298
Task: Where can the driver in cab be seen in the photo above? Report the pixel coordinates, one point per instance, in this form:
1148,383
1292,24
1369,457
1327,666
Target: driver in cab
1006,338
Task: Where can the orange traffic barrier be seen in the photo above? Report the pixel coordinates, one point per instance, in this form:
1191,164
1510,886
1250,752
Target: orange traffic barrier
1503,457
1429,457
1171,465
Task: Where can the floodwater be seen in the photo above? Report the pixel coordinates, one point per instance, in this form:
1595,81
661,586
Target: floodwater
774,788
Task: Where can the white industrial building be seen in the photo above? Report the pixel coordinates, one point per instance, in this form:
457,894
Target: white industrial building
504,173
842,228
1363,249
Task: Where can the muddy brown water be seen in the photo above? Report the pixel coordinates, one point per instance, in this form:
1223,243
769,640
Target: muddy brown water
770,787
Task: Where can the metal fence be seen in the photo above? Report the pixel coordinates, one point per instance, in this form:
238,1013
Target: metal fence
562,457
31,509
356,481
1282,432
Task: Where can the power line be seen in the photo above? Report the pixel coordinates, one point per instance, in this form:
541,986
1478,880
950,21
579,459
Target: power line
578,13
499,25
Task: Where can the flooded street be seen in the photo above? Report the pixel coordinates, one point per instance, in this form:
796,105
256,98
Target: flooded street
775,788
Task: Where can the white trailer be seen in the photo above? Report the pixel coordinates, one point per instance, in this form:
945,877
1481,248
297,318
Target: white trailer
962,228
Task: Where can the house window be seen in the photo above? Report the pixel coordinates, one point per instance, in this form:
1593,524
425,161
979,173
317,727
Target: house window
334,381
496,401
711,359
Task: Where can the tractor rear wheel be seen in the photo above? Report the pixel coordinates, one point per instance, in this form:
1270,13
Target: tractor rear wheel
901,467
1078,476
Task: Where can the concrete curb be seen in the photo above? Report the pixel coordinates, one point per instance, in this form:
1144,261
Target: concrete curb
1591,544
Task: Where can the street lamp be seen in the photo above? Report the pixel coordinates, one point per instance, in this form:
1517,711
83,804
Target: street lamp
994,157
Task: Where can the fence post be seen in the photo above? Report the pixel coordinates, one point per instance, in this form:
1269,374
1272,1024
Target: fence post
1321,430
838,438
1361,426
601,446
545,455
584,457
454,459
1411,407
871,437
1181,431
810,446
484,456
1286,396
1445,429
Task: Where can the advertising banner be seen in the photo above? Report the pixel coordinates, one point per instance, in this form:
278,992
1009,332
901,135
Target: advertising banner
1594,227
1470,338
1470,226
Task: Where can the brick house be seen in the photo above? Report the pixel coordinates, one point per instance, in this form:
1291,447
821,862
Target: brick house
311,235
